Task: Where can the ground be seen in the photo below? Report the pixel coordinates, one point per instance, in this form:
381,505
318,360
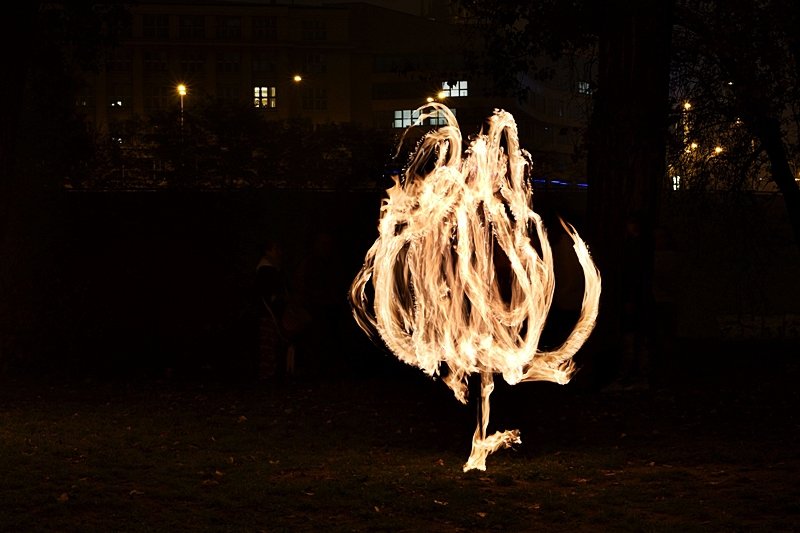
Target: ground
716,451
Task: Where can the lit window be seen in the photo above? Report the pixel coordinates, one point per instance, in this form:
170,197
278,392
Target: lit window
584,87
404,118
676,183
119,95
457,88
438,118
264,97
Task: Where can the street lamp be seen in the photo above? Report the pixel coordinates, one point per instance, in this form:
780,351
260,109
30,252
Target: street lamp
181,88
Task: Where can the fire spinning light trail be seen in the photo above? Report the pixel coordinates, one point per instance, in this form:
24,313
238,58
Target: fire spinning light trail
458,286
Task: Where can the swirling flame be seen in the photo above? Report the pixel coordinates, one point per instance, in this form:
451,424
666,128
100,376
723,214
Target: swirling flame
459,286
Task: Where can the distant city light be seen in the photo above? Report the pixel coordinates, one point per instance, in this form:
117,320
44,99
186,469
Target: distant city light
718,149
687,106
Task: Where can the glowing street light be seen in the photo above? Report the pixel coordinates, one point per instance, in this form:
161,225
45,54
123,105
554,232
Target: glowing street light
297,78
181,88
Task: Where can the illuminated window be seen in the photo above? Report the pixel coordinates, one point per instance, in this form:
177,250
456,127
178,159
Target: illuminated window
676,183
584,87
457,88
119,95
404,118
438,118
264,97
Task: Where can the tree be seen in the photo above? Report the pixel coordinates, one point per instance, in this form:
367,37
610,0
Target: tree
230,145
627,129
737,65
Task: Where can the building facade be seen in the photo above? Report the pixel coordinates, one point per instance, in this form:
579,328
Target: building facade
337,63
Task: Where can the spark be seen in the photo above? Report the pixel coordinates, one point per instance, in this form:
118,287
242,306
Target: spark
460,279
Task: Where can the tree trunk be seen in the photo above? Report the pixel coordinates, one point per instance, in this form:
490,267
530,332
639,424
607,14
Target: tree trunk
626,157
768,131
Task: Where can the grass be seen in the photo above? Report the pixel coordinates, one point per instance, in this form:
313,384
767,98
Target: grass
386,455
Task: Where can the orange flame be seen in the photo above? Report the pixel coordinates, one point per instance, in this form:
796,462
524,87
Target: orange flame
440,301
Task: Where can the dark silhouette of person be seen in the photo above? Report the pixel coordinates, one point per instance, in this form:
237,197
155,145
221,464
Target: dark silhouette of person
637,306
273,294
322,287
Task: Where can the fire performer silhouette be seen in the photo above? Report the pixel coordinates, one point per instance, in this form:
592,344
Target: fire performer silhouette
461,273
